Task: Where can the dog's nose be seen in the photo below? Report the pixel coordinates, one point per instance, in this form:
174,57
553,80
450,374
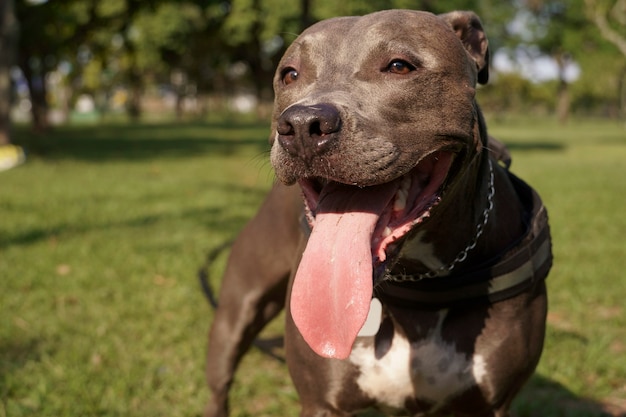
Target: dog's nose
306,131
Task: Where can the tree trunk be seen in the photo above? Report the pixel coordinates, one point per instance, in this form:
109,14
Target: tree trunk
8,32
36,81
563,98
563,102
133,106
305,14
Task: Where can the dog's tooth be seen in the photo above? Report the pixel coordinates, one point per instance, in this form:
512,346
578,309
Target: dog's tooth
400,203
402,194
387,231
405,184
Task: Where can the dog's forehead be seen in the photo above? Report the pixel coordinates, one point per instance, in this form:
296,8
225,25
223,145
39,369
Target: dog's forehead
354,39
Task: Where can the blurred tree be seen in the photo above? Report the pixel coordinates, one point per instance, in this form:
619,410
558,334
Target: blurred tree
229,46
45,35
256,32
8,32
562,30
158,42
56,30
610,18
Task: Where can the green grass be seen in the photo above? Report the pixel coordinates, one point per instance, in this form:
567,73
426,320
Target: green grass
103,229
579,171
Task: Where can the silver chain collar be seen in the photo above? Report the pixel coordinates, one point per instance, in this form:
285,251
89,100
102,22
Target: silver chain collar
463,254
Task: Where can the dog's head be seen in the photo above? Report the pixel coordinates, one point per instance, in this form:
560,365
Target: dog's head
375,119
361,100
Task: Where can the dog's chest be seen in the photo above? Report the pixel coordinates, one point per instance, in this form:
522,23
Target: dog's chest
430,370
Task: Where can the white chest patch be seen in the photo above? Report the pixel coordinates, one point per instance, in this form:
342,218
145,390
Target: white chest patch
430,369
387,379
417,250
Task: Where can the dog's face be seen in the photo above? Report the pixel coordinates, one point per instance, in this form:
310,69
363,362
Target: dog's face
401,83
374,117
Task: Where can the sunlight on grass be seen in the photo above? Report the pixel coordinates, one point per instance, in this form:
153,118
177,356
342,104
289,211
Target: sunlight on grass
581,180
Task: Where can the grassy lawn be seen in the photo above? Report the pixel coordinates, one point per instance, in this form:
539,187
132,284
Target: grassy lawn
103,230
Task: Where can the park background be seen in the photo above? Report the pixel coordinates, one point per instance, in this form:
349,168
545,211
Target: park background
145,126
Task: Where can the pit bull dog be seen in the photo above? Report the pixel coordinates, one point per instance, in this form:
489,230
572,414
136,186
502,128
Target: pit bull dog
411,260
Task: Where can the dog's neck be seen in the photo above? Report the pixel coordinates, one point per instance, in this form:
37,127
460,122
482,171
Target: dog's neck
486,218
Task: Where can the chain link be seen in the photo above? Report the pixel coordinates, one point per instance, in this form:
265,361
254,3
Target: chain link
463,254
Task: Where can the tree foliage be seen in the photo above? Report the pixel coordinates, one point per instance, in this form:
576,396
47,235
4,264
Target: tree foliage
565,31
609,16
199,47
66,30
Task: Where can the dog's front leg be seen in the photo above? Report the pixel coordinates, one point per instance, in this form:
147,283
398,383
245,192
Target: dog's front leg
253,289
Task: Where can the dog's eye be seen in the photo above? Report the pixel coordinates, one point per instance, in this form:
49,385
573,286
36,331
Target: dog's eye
398,66
289,75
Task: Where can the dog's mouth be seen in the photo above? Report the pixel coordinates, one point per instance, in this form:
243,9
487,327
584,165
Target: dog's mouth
353,234
410,199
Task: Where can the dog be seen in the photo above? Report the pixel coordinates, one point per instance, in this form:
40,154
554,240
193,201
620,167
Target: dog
410,260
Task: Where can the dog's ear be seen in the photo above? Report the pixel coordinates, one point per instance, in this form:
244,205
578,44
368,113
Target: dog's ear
470,31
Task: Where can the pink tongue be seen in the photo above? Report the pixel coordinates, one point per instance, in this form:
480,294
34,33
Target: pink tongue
332,290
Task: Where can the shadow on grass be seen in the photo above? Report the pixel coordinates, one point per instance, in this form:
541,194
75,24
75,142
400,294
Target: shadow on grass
102,142
535,146
547,398
217,219
15,354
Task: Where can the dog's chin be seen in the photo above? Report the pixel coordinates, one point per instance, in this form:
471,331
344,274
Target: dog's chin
416,193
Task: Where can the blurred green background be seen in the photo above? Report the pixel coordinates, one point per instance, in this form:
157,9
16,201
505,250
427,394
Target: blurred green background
86,60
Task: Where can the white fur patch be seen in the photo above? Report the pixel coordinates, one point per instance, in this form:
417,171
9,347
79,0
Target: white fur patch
431,370
479,368
372,323
387,379
417,250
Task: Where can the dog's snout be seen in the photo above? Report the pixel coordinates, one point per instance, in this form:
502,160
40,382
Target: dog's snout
306,131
